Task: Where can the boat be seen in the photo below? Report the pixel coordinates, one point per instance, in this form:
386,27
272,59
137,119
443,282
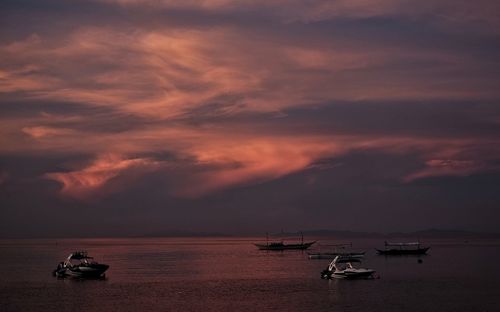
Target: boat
396,249
79,264
353,256
280,246
339,250
347,271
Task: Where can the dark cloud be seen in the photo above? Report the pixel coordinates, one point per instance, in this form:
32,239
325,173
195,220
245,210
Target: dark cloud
425,119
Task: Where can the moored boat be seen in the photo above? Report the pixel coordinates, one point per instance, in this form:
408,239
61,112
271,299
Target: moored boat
343,250
334,270
280,245
79,264
397,249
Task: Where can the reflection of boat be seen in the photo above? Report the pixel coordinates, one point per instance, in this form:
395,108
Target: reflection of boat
413,248
347,272
77,264
278,246
339,250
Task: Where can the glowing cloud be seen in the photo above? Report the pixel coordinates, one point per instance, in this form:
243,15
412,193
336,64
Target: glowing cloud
242,160
80,182
42,131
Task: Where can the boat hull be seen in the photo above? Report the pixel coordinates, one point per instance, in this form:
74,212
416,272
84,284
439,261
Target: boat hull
348,274
402,252
94,270
358,274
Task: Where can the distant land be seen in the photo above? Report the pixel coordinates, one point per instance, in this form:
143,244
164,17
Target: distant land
178,233
429,233
308,234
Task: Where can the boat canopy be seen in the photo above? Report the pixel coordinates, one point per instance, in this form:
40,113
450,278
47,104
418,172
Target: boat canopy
79,255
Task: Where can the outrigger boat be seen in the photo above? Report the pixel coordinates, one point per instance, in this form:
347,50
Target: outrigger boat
339,250
397,249
346,272
352,256
79,264
280,246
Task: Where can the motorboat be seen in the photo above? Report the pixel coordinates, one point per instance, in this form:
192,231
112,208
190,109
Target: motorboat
397,249
79,264
336,269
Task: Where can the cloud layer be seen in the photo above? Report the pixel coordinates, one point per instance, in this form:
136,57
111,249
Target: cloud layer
201,100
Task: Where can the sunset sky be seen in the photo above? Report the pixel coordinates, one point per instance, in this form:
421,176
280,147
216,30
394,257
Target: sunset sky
129,117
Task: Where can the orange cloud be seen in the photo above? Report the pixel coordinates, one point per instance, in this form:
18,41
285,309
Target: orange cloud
229,155
80,183
43,131
242,160
168,73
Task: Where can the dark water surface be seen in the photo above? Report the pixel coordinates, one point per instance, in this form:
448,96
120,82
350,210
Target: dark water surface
210,274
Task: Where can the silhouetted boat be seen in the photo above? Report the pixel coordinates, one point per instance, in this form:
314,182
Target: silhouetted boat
279,246
78,265
353,256
397,249
338,250
346,272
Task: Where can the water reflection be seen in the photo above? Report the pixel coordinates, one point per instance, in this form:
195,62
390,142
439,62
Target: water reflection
215,275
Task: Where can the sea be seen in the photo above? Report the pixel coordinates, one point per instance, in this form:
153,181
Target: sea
230,274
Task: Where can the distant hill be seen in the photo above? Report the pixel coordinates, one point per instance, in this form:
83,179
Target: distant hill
436,233
331,233
429,233
185,234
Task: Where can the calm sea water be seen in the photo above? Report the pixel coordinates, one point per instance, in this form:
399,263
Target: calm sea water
209,274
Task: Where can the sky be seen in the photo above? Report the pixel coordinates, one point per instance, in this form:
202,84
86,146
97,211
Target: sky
132,117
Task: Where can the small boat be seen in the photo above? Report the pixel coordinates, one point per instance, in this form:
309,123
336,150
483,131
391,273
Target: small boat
339,250
397,249
280,246
79,264
352,256
345,272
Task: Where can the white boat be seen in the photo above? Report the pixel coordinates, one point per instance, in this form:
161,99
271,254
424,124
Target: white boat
79,264
337,270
